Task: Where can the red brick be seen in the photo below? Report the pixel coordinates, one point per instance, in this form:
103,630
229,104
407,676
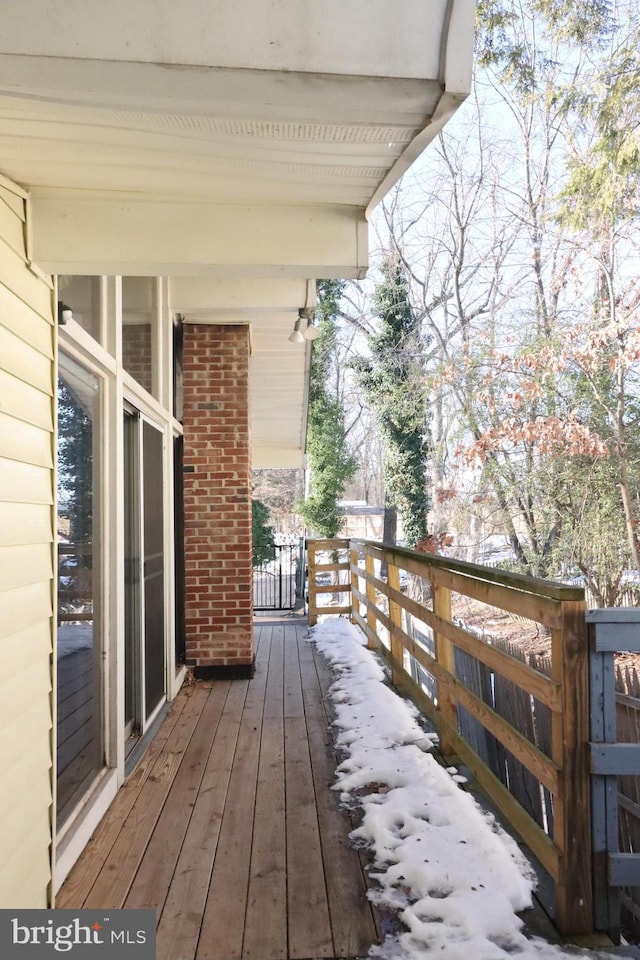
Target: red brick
219,604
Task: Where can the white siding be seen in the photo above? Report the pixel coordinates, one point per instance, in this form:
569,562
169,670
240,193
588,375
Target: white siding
27,399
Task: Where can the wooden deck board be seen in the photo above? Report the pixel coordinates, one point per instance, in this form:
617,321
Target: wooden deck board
265,933
113,883
179,927
84,874
152,881
228,827
309,923
222,930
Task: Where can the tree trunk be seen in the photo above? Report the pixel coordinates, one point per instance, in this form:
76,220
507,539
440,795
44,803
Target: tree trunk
390,524
389,531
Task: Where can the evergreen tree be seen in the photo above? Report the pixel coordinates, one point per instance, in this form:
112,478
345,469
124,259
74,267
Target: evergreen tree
331,465
75,486
262,533
392,380
75,464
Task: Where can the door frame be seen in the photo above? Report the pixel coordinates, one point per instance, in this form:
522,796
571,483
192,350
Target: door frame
103,356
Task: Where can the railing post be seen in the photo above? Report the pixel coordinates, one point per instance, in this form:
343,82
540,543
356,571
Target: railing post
369,566
395,616
354,557
570,753
445,655
313,609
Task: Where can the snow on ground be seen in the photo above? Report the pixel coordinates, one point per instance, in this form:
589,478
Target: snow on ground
455,877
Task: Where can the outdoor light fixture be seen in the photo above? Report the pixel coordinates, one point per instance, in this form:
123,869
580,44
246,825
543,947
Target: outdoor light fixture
305,314
295,336
65,313
310,332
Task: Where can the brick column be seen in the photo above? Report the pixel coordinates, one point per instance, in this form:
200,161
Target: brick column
217,500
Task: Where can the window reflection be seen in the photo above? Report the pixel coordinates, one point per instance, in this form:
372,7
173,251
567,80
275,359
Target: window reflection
82,295
138,315
79,703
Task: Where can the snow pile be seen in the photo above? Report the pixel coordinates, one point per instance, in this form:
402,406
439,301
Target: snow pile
456,878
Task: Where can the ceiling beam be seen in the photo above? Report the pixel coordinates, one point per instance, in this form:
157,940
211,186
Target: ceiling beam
202,297
105,234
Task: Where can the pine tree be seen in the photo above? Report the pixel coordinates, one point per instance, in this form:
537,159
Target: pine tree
393,384
331,465
75,464
262,533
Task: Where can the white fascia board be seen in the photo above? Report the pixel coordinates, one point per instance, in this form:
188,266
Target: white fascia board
105,235
360,37
447,106
264,458
457,48
456,74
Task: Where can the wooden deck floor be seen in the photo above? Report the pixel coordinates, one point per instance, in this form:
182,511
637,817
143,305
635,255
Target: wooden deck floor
228,827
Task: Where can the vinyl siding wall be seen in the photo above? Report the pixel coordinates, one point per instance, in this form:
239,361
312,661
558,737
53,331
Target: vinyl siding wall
27,398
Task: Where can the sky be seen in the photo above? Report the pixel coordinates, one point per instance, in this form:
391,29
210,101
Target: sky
455,878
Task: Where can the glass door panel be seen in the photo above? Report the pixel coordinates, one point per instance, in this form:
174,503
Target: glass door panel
80,707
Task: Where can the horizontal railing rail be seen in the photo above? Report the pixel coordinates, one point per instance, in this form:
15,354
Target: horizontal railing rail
407,616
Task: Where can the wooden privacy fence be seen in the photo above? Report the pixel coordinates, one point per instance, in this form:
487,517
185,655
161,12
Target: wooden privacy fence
538,747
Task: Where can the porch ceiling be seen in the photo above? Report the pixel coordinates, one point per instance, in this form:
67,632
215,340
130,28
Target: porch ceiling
211,108
222,140
279,369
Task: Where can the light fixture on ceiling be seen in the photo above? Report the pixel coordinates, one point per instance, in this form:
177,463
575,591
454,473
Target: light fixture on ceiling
65,313
305,315
295,336
310,332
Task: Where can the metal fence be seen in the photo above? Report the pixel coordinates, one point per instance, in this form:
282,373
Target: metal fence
276,582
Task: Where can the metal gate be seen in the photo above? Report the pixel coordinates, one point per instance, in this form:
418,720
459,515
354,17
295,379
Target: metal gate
276,580
615,768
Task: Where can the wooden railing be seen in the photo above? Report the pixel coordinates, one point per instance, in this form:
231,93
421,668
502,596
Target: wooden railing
425,645
329,573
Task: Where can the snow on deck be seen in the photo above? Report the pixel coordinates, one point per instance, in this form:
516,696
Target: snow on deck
456,878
